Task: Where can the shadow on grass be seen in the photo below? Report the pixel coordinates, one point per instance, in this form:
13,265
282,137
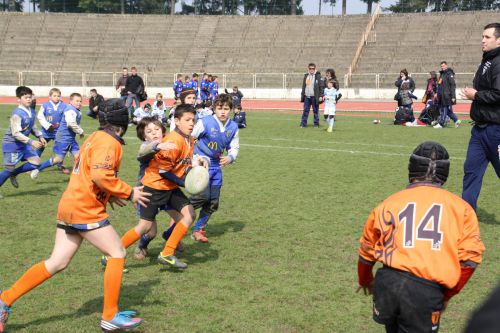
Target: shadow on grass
485,217
218,229
132,296
39,191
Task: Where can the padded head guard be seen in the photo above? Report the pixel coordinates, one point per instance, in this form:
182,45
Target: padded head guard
113,112
429,162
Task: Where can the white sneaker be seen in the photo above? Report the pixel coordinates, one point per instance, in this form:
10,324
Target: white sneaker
437,126
458,123
34,174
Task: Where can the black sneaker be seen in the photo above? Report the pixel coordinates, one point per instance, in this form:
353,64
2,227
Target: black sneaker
13,181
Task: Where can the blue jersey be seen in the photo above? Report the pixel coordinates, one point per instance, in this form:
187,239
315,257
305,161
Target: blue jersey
214,138
50,114
187,85
177,87
214,89
65,133
204,89
9,143
194,86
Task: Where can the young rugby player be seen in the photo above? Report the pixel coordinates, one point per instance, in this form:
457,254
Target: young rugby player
178,85
16,144
215,134
162,178
82,215
205,88
330,98
428,241
49,116
66,134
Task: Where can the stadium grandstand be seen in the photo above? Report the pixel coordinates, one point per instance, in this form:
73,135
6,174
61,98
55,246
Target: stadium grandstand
375,47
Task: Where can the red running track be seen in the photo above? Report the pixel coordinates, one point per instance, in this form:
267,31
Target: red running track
295,106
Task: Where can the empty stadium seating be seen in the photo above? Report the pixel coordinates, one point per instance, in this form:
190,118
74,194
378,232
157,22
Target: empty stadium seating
161,46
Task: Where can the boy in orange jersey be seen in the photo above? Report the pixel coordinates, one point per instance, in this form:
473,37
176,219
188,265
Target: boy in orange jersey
82,215
162,178
428,241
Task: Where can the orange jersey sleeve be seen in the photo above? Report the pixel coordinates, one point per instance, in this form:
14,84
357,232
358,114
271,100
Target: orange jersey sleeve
175,160
424,230
93,180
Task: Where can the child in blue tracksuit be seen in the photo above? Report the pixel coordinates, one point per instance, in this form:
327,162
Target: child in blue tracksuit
205,88
214,88
65,140
215,134
240,117
17,146
178,85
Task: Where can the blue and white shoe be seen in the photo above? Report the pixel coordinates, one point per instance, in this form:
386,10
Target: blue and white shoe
122,321
4,314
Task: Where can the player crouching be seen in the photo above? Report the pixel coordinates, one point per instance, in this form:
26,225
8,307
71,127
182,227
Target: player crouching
82,216
428,241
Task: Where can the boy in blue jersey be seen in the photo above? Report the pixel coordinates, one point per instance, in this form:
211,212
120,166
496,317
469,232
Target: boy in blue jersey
178,85
49,116
16,144
215,134
205,88
65,140
187,83
194,85
214,87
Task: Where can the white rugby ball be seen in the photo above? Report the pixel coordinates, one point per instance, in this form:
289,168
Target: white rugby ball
376,121
196,180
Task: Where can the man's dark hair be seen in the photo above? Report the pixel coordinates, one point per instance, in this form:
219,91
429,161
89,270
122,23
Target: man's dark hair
183,108
443,62
495,26
312,65
23,90
93,90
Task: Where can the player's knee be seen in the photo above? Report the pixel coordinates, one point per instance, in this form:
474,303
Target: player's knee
119,253
188,214
55,265
212,206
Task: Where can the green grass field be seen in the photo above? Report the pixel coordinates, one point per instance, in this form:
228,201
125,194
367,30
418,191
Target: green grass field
283,246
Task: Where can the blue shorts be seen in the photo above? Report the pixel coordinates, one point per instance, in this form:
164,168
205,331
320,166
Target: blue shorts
215,176
62,148
12,158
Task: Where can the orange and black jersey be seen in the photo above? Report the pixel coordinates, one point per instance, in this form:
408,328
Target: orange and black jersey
175,160
424,230
93,180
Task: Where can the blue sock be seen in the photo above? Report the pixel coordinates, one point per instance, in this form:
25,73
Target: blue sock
166,234
48,163
24,168
144,241
202,221
4,175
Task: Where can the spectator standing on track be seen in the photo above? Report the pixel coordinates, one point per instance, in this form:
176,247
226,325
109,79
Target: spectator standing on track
312,94
120,84
484,144
403,77
134,87
446,96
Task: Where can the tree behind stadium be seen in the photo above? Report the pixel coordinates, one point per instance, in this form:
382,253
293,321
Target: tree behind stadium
415,6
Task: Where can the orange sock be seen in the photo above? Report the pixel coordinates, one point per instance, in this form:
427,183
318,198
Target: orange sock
30,280
130,238
112,284
174,239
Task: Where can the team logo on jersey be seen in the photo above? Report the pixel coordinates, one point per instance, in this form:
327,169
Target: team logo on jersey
214,131
229,133
213,145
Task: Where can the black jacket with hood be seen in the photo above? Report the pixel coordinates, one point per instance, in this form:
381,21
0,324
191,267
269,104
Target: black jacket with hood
485,108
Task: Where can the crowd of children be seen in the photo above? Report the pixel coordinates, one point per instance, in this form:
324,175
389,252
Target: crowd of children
199,136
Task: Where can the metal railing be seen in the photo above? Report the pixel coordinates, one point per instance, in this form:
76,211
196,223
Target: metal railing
226,80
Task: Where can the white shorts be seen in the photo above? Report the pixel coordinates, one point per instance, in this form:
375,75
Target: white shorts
330,110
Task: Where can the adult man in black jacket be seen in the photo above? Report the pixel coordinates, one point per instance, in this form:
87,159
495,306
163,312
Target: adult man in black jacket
94,101
446,95
312,94
484,144
134,87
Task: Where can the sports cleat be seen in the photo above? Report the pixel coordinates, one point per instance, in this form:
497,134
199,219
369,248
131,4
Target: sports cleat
171,261
140,254
34,174
437,126
104,263
121,321
13,181
199,236
330,129
4,314
458,123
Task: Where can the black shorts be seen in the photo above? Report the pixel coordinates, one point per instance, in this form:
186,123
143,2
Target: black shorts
404,302
77,228
174,199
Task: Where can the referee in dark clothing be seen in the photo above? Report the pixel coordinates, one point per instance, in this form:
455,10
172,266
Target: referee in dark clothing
484,144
